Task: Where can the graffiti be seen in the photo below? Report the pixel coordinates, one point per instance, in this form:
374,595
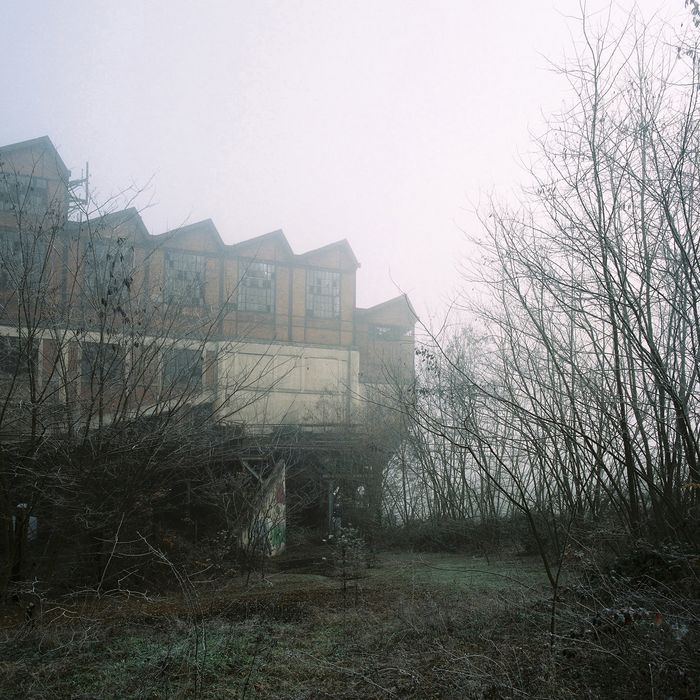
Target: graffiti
266,532
276,536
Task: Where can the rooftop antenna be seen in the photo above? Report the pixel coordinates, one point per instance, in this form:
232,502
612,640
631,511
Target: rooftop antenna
79,194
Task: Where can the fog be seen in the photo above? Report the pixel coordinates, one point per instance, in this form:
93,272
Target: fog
383,123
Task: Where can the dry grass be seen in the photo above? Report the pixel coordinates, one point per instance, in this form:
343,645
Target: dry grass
428,626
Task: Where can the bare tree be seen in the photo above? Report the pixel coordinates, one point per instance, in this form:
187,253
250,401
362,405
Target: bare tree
582,406
111,389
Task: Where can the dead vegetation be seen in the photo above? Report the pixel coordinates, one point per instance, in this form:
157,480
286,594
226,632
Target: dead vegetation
413,626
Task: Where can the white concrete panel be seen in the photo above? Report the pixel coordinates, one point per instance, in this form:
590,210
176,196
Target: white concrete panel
321,374
274,383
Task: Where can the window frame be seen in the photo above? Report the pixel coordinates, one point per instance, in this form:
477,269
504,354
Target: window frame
323,294
185,274
14,361
180,373
100,255
389,333
254,285
15,260
113,372
24,193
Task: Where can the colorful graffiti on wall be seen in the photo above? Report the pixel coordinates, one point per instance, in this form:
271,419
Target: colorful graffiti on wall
267,529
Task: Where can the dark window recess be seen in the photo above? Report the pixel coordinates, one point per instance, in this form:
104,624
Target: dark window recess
185,278
108,269
16,358
323,294
21,262
256,291
182,368
23,193
11,268
389,332
102,363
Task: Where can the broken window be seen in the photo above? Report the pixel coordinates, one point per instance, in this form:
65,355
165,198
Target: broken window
102,363
185,278
16,357
21,262
182,368
108,268
11,267
390,332
24,193
323,294
256,291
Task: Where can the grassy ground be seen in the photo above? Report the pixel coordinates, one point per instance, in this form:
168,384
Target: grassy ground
413,626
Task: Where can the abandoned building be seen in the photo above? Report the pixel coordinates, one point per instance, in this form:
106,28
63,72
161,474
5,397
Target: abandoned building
104,324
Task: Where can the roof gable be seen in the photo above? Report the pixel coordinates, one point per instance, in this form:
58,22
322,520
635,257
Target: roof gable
116,220
398,310
337,254
192,236
41,148
273,245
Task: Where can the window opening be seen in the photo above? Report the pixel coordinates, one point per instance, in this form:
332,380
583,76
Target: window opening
102,363
109,268
24,192
257,287
185,277
182,367
323,294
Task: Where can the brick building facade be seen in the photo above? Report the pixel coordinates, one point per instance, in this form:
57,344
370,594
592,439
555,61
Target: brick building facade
268,335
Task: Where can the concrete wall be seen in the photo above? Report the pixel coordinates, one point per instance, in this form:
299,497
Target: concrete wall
265,532
270,384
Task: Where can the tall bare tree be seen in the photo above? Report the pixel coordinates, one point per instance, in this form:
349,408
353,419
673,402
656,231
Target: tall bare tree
583,405
111,390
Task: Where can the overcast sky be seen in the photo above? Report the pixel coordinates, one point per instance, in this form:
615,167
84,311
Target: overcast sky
379,121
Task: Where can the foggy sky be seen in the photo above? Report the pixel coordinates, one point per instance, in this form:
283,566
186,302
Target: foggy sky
380,121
